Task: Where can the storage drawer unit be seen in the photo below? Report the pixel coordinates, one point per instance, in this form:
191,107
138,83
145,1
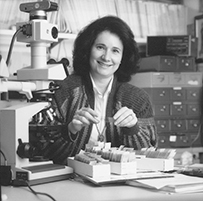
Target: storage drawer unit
176,99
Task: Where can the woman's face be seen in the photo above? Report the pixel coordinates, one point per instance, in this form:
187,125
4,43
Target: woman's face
106,55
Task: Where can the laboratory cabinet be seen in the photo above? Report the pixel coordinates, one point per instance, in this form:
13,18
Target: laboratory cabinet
176,98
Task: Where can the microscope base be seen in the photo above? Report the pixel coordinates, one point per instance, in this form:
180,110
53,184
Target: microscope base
48,172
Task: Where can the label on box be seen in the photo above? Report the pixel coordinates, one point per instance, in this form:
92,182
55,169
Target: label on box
98,170
123,168
155,164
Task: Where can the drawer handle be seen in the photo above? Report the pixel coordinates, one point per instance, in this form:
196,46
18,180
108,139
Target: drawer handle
179,125
194,109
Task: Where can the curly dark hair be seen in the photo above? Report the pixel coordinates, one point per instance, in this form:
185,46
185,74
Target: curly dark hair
86,37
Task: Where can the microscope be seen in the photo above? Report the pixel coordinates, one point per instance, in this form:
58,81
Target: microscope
27,126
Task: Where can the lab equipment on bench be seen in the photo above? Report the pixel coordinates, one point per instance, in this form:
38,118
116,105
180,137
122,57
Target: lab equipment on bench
27,127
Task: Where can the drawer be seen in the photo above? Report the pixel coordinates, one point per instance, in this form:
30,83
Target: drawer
176,79
177,94
193,124
193,79
160,79
162,110
186,64
168,63
178,125
177,109
163,141
193,94
161,94
193,109
162,125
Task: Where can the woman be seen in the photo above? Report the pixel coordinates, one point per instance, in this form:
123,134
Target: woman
96,102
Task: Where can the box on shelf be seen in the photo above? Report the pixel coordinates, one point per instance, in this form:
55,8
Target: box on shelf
123,168
98,170
155,164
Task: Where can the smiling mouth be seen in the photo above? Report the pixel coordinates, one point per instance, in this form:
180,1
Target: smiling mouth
103,64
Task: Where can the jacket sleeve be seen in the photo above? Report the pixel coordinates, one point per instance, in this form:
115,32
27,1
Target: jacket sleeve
144,133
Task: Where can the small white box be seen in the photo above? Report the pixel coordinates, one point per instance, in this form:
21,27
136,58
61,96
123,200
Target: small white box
98,170
123,168
155,164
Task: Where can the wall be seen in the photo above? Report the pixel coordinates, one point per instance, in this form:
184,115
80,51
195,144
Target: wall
21,55
194,9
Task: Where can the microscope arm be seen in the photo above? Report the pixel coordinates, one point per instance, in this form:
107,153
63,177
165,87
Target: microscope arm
21,87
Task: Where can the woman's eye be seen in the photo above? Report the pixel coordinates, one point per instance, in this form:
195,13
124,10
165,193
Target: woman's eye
99,47
116,51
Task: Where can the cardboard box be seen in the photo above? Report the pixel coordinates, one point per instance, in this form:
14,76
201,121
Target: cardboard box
123,168
155,164
98,170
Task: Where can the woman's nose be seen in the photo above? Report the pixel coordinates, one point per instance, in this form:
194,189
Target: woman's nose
106,56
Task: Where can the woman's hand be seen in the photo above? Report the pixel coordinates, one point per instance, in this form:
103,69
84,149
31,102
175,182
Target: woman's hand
83,117
125,117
